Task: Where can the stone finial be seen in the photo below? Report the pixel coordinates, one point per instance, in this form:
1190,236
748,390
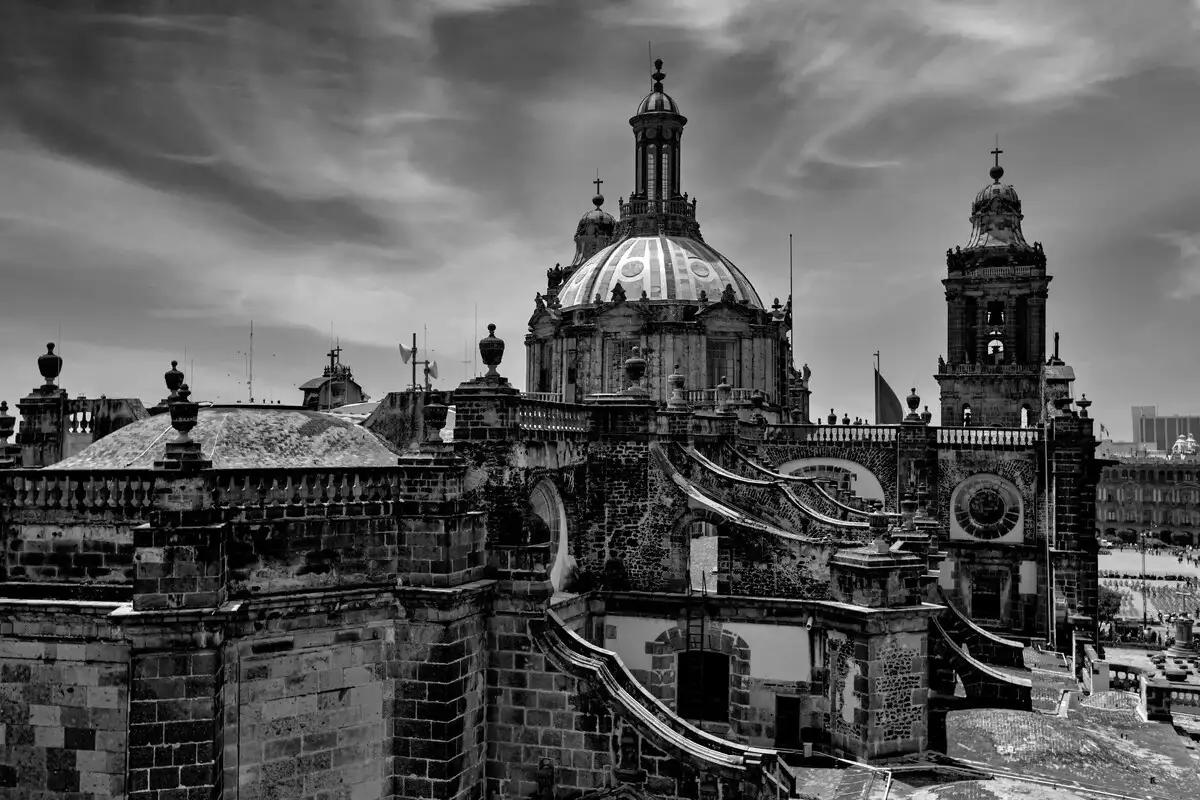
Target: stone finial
8,424
491,351
703,296
757,398
724,392
1084,404
926,415
618,293
635,368
50,365
184,413
878,522
434,413
174,379
914,402
677,400
832,418
728,295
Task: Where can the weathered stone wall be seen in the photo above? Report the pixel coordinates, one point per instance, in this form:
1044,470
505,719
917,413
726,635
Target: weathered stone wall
440,672
307,710
91,551
64,678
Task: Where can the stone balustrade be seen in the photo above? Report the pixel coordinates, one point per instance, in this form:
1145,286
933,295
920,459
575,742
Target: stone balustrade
547,397
137,489
306,487
84,489
704,398
988,437
549,417
830,434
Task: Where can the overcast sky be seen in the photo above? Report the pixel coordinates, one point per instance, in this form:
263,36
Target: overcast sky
380,167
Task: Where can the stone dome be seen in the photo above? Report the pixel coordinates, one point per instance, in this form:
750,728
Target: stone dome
996,216
658,101
596,222
664,267
236,437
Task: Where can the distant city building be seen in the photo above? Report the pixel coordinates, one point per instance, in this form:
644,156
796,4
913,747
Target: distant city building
1154,432
336,387
1153,494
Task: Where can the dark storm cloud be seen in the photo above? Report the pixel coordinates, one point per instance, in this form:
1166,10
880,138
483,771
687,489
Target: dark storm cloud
137,95
173,169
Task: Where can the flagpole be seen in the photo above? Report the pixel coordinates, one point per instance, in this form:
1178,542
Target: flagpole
875,383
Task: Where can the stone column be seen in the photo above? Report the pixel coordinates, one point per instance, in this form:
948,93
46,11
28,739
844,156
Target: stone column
176,628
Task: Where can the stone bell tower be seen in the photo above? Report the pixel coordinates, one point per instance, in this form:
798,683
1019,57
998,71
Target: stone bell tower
996,289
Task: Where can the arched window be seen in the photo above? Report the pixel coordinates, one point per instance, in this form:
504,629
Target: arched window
651,172
665,177
548,506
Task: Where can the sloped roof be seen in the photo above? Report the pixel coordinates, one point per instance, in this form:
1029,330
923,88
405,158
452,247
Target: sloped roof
233,437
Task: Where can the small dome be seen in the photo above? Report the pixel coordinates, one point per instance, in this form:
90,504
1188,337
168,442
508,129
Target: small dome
596,221
664,267
658,101
996,216
234,437
996,191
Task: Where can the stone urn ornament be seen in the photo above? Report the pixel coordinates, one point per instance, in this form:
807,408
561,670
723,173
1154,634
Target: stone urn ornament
677,401
174,379
184,413
635,368
434,414
50,365
8,423
491,351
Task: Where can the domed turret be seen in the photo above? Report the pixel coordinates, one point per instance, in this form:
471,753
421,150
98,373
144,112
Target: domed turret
996,213
595,229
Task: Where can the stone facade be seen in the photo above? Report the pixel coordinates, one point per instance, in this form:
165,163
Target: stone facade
314,609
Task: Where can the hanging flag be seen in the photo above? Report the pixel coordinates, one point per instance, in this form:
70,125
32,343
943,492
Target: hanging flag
888,410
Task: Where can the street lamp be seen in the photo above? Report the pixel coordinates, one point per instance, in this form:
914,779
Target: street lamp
1145,616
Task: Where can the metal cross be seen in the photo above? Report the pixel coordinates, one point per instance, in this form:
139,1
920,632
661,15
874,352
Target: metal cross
997,151
597,181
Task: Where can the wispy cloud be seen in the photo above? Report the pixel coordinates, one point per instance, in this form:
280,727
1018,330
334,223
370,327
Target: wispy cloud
1187,265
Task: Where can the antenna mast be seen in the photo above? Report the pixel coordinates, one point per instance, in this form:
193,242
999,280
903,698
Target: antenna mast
250,378
791,308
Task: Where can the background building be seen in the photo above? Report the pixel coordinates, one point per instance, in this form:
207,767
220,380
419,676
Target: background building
1154,432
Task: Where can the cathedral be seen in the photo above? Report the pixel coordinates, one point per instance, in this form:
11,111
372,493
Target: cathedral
649,574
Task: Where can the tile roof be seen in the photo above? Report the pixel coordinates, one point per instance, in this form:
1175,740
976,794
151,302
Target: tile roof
233,437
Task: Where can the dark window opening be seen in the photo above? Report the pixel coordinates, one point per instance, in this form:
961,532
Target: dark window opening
719,363
985,598
787,721
995,313
703,686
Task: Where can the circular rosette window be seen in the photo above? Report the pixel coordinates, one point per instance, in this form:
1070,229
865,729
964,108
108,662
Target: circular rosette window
986,507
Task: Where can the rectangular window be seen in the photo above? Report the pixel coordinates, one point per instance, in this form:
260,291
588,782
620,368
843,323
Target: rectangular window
719,361
787,721
615,353
985,598
703,686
